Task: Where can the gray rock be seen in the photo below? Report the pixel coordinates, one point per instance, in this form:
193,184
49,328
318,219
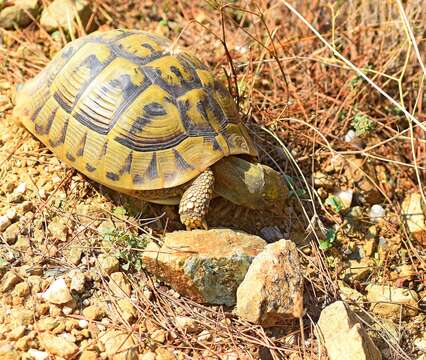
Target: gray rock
272,289
205,265
343,335
17,14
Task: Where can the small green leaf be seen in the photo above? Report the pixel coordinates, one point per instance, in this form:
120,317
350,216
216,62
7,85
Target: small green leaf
119,211
334,203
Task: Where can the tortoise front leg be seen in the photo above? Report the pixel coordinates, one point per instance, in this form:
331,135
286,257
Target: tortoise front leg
195,201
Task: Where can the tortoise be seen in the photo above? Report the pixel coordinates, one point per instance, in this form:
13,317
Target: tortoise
129,110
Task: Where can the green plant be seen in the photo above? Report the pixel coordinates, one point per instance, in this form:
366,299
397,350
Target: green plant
334,203
126,247
362,124
328,242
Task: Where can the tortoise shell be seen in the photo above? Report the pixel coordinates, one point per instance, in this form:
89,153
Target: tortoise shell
130,111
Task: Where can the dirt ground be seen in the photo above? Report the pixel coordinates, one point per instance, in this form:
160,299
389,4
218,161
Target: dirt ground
302,91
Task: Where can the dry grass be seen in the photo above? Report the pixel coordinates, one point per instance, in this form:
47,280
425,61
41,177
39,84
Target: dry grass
301,72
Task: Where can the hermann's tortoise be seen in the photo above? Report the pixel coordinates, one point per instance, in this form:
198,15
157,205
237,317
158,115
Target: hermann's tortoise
130,111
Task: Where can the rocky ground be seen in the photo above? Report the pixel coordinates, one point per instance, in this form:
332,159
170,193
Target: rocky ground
90,274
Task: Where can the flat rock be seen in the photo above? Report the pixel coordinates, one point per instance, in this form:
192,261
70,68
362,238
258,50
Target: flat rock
204,265
108,263
9,280
389,301
272,289
343,336
413,210
119,345
57,293
119,285
57,345
62,13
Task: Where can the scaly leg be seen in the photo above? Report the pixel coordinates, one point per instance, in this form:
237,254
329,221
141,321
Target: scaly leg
195,201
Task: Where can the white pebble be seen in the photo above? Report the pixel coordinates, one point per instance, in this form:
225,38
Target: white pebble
346,198
376,212
83,324
57,293
21,188
37,354
350,135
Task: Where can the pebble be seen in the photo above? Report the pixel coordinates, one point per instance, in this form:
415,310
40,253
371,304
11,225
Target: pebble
38,355
57,293
94,312
83,324
16,333
4,222
78,280
58,345
9,280
108,264
376,213
119,285
186,323
21,290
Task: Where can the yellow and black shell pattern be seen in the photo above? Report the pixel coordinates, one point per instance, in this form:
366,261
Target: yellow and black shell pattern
130,111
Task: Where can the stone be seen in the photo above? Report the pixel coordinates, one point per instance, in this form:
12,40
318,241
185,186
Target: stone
119,285
272,289
62,13
17,332
108,264
349,294
164,354
57,345
57,293
4,222
20,316
204,265
389,302
88,355
148,356
94,312
22,243
187,324
16,14
119,345
9,280
78,280
38,355
11,233
413,211
127,310
58,229
358,270
345,197
75,255
8,352
159,336
323,180
48,323
21,290
343,336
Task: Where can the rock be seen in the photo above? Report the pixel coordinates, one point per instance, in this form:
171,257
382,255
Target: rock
346,198
164,354
349,294
127,310
376,213
57,345
159,336
323,180
108,264
272,289
9,280
16,333
78,280
48,323
23,243
21,316
74,255
21,290
83,324
8,352
88,355
413,211
4,222
387,301
62,13
119,345
148,356
119,285
57,293
420,343
187,324
38,355
344,336
16,14
358,269
94,312
58,229
11,233
205,265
